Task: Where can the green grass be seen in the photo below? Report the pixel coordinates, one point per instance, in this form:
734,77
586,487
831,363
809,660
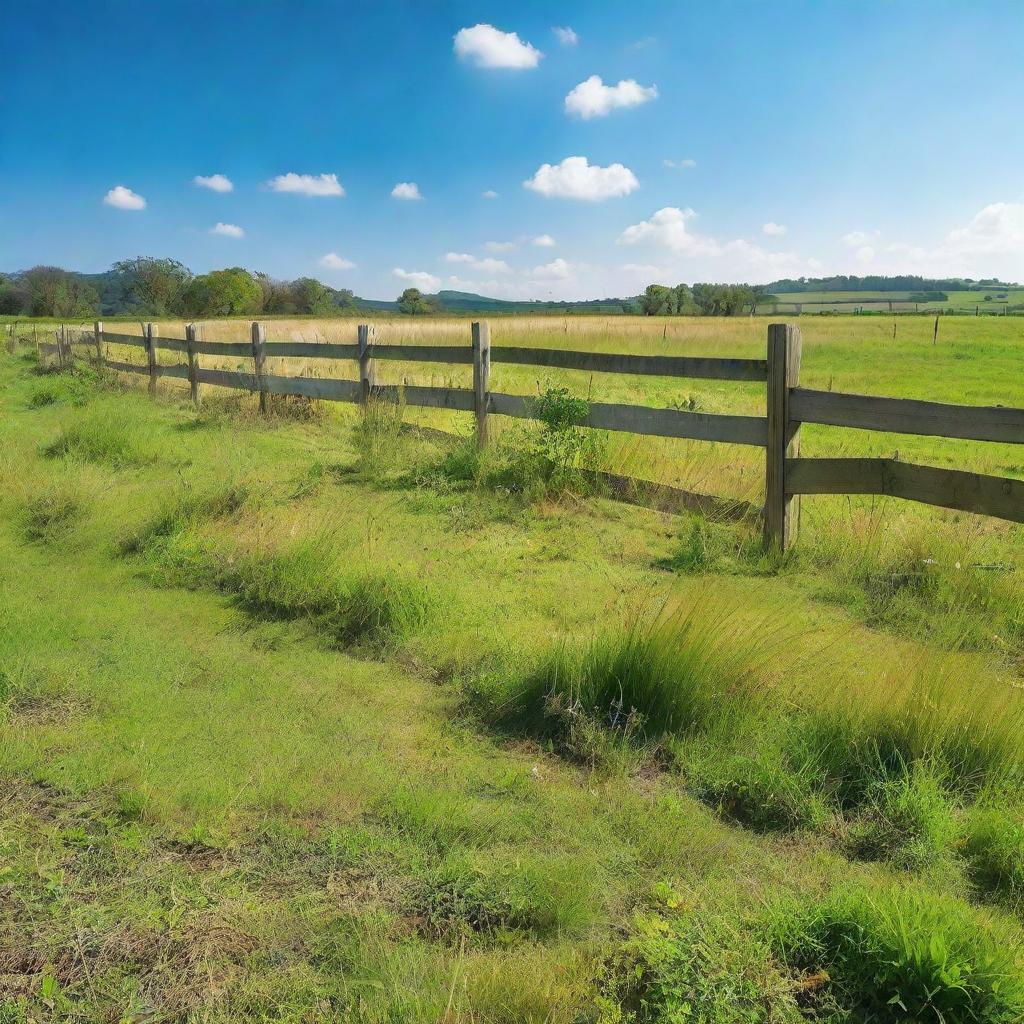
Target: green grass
284,736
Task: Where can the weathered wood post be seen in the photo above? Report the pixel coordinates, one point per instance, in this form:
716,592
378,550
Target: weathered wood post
366,367
481,378
783,435
935,333
193,364
149,333
97,334
259,339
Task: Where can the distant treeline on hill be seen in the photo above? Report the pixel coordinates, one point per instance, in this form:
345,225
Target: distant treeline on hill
876,283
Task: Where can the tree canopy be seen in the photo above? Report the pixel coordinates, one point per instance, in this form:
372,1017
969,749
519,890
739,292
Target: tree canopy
415,303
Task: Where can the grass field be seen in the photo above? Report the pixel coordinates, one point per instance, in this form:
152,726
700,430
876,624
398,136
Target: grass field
987,300
312,717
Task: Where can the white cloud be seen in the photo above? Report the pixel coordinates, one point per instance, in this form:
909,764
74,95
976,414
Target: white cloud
593,98
557,270
683,165
214,182
307,184
489,47
418,279
499,246
489,194
865,254
771,228
565,35
488,264
332,261
669,228
406,190
575,178
858,238
124,199
991,244
543,241
231,230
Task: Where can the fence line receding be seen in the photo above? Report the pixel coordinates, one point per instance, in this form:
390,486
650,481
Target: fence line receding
787,474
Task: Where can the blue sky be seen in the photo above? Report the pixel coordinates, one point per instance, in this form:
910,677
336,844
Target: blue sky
727,141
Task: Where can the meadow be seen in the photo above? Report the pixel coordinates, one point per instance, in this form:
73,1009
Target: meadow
322,715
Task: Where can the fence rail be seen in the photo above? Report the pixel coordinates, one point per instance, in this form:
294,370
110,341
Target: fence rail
787,474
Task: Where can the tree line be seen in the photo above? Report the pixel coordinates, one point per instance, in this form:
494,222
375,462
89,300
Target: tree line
152,286
881,283
700,300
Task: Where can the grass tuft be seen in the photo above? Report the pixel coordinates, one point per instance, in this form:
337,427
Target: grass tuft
901,955
108,436
679,673
50,516
994,848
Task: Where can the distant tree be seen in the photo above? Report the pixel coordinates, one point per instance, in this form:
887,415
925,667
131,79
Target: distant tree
413,302
154,285
13,298
656,300
278,296
311,297
345,298
55,292
230,292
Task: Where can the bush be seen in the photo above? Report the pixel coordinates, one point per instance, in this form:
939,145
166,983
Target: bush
901,956
555,459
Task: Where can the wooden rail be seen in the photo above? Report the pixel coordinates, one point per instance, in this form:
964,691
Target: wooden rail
787,475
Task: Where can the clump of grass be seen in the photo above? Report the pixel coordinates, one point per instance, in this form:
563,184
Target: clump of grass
52,514
304,582
498,899
709,546
908,820
109,436
378,434
682,672
994,848
698,968
70,388
187,511
968,741
901,955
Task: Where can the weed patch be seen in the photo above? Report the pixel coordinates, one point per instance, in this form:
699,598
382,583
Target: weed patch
52,514
994,848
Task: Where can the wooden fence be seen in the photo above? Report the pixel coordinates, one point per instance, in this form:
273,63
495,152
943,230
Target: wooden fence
788,405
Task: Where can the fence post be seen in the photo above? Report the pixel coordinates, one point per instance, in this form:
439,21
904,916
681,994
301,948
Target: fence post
481,378
259,339
97,333
193,366
151,354
783,439
366,368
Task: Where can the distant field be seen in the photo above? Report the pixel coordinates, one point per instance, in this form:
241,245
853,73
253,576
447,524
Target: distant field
988,301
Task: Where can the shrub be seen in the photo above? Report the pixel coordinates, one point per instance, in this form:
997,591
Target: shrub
555,459
900,955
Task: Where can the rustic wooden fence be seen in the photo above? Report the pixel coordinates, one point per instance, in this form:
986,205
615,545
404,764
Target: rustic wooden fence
788,405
